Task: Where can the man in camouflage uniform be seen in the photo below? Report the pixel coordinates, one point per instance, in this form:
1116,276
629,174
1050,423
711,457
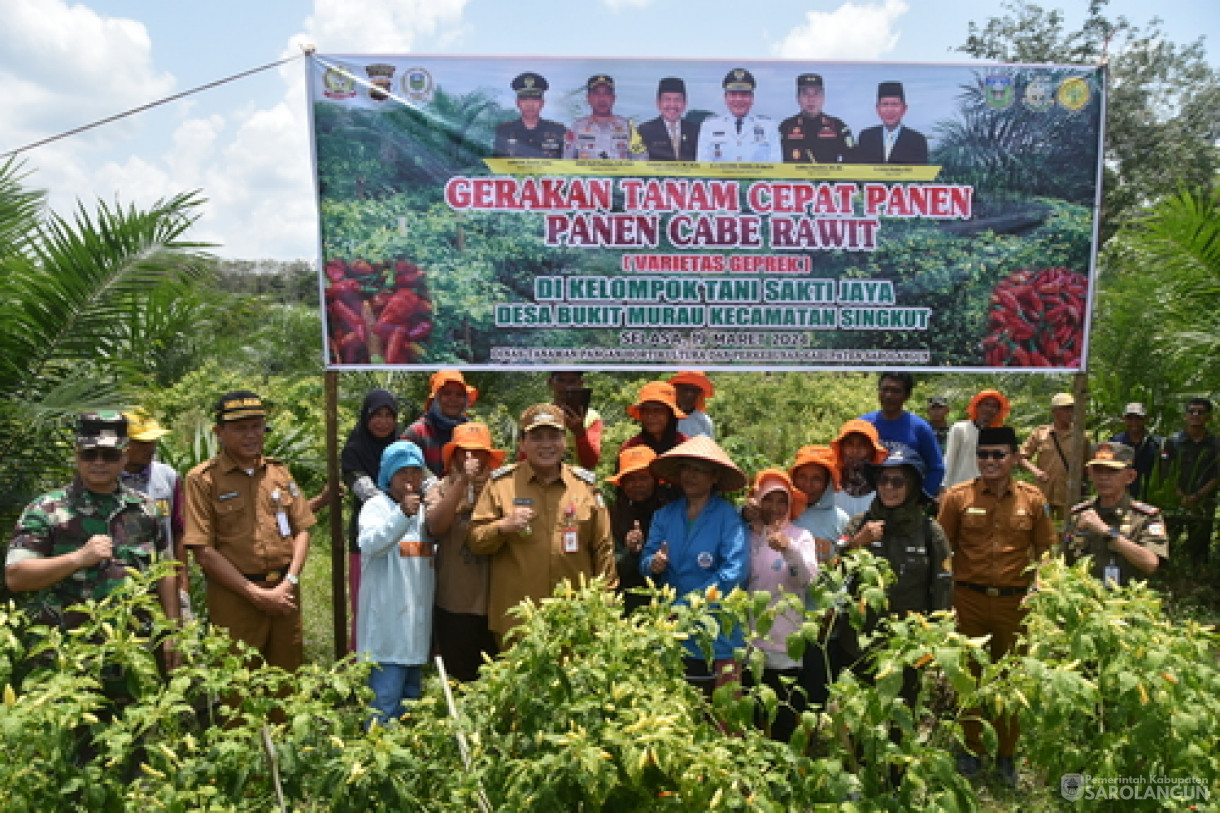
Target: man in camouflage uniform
1126,538
75,543
529,136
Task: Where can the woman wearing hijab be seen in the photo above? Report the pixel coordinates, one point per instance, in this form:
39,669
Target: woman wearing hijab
783,561
448,399
856,446
463,578
399,582
896,528
699,542
361,463
656,410
636,499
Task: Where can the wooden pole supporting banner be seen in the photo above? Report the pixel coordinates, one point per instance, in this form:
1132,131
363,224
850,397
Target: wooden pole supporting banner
338,544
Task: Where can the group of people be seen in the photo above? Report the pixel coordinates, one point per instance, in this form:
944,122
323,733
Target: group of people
740,134
447,535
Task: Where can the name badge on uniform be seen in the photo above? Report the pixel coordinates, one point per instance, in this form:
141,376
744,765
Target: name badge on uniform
281,518
571,536
1111,576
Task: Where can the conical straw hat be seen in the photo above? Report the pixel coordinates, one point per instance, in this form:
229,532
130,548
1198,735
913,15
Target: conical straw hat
700,447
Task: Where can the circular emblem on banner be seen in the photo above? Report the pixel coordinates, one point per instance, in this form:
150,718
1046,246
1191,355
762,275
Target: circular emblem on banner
1038,97
998,91
705,560
338,84
417,85
1073,94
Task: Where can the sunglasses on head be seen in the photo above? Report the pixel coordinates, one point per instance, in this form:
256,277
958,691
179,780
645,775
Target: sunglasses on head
891,482
108,455
990,454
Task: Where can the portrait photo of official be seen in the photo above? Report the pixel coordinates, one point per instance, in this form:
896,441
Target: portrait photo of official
739,135
529,136
670,137
812,136
891,142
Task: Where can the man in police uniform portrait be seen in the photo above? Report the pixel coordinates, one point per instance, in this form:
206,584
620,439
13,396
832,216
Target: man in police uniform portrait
529,136
541,521
811,136
739,136
669,137
75,544
601,135
248,525
1126,538
891,142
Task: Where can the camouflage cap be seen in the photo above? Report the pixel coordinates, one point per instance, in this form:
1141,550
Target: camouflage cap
1113,455
104,429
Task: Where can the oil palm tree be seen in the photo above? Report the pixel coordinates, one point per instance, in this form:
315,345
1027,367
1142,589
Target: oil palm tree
71,291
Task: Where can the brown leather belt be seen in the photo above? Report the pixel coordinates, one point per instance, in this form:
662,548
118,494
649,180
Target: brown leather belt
994,591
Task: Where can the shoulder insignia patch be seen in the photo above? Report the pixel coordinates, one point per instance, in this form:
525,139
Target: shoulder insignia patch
503,471
1145,508
584,474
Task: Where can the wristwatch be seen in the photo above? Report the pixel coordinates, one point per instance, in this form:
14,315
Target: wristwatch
291,579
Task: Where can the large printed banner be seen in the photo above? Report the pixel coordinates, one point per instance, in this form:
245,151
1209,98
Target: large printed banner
483,212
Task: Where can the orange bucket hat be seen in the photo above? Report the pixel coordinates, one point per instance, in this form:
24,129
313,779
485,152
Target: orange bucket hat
700,447
822,456
863,427
658,392
769,480
696,379
631,460
474,436
1005,406
442,377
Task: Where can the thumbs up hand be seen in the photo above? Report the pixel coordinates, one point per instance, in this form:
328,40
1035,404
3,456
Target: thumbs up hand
634,540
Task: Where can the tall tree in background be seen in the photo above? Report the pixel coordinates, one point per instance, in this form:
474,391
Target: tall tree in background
1161,122
74,297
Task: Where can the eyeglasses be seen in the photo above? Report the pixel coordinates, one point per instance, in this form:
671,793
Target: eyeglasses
1196,411
990,454
891,482
107,455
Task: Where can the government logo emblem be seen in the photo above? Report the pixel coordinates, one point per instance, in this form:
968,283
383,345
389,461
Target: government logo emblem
417,85
998,92
1073,94
1038,97
338,84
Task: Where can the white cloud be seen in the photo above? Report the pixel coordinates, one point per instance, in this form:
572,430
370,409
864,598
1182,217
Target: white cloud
849,32
69,66
380,26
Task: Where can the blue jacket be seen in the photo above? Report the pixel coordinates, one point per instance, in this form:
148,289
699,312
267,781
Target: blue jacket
712,551
917,433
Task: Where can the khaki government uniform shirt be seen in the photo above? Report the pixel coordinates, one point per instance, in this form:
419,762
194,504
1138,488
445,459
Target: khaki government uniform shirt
235,513
531,565
462,577
1040,450
995,539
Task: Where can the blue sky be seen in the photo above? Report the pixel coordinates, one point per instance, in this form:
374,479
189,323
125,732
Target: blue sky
245,145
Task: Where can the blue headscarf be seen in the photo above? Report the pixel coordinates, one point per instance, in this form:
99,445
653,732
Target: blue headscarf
400,454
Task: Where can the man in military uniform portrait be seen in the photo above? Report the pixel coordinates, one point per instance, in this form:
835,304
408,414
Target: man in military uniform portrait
997,527
739,136
541,521
1126,538
811,136
891,142
669,137
76,543
248,525
529,136
601,135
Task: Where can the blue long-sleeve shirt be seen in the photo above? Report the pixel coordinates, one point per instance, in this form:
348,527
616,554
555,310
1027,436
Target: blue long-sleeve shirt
711,550
917,433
